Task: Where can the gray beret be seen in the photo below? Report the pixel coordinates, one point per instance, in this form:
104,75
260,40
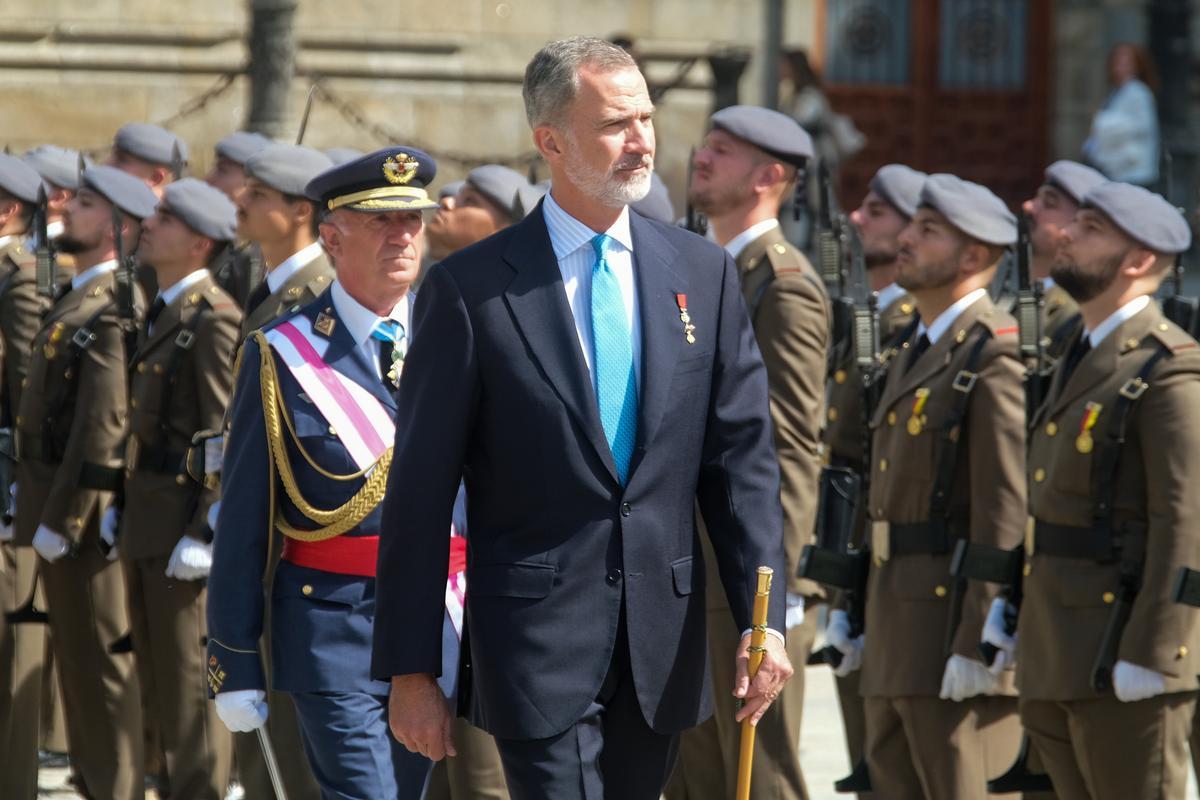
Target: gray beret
450,189
240,145
287,167
775,133
530,195
1074,178
656,204
501,185
149,143
56,165
340,155
1145,216
900,186
971,208
19,179
206,210
123,190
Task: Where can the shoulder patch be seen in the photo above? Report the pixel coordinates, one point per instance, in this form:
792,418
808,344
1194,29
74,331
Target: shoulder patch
1173,337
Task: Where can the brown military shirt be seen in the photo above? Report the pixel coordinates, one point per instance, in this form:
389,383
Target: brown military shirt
176,392
304,286
21,311
60,443
1067,600
908,596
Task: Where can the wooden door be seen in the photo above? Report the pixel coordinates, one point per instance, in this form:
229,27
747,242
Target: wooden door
942,85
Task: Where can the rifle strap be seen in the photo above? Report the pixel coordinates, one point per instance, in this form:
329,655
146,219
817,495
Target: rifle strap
184,342
80,343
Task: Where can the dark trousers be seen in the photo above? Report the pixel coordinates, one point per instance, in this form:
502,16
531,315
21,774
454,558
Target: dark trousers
351,750
609,754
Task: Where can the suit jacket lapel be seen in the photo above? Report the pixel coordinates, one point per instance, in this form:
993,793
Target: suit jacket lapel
538,302
662,333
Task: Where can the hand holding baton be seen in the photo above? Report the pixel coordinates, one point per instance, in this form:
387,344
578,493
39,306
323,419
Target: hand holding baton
758,636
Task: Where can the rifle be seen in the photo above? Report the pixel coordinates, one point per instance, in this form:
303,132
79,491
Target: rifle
1184,311
694,221
177,164
126,280
1029,322
308,104
47,264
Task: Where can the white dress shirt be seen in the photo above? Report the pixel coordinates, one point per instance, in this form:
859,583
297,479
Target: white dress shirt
572,243
888,295
944,320
291,265
91,272
360,321
737,244
179,287
1114,320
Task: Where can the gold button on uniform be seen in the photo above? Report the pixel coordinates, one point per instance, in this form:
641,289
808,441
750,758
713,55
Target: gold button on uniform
306,590
133,403
832,414
839,376
181,479
891,418
1051,428
141,368
1108,598
883,465
1028,570
940,591
1183,651
1039,475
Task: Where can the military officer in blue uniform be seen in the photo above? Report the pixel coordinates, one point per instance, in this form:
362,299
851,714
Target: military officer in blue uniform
307,458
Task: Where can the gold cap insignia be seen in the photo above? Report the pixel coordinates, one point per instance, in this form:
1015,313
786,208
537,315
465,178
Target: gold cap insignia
400,172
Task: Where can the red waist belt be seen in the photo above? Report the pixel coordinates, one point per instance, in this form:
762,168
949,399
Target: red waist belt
355,555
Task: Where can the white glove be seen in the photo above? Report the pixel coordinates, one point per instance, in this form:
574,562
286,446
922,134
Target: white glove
110,523
837,633
795,611
1132,683
993,633
191,560
965,678
50,545
242,711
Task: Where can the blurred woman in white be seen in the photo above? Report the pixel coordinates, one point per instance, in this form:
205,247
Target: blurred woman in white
1124,140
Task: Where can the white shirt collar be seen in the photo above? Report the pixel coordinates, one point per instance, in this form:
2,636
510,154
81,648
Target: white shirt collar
568,234
360,321
4,240
54,228
1048,284
180,286
737,244
91,272
291,265
939,326
888,295
1114,320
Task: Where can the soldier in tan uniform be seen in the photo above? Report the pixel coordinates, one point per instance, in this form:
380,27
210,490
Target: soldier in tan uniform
1051,210
181,372
746,169
71,431
22,646
274,215
1113,458
948,454
241,270
890,203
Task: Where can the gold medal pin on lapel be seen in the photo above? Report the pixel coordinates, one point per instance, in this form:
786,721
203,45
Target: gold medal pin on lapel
689,330
1084,442
916,420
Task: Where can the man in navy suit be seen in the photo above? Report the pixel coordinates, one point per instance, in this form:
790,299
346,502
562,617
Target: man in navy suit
590,375
309,444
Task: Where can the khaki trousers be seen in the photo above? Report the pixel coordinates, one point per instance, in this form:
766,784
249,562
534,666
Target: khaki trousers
1104,749
168,626
22,650
474,774
925,748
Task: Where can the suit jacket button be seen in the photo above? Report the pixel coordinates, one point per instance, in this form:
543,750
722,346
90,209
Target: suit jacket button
626,510
306,590
1108,598
613,577
940,591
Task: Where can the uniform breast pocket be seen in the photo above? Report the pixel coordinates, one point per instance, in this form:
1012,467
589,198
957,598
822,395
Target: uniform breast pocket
320,440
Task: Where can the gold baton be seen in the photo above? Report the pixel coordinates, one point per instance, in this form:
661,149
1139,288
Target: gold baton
758,637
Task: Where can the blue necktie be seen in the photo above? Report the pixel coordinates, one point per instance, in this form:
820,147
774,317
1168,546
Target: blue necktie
390,334
612,360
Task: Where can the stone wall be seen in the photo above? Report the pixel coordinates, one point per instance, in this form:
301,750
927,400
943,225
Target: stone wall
442,75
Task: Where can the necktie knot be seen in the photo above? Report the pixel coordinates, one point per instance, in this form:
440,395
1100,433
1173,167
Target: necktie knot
601,243
387,330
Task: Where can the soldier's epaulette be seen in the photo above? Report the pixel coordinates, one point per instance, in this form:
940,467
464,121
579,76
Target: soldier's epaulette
999,323
21,256
1173,337
319,284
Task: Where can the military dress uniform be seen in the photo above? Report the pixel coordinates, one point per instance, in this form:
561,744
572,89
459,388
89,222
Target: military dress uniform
22,646
281,452
948,454
790,312
1112,460
181,375
71,429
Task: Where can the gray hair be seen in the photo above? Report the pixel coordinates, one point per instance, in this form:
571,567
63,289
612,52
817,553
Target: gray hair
552,77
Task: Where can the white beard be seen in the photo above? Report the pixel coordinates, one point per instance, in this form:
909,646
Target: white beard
605,187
